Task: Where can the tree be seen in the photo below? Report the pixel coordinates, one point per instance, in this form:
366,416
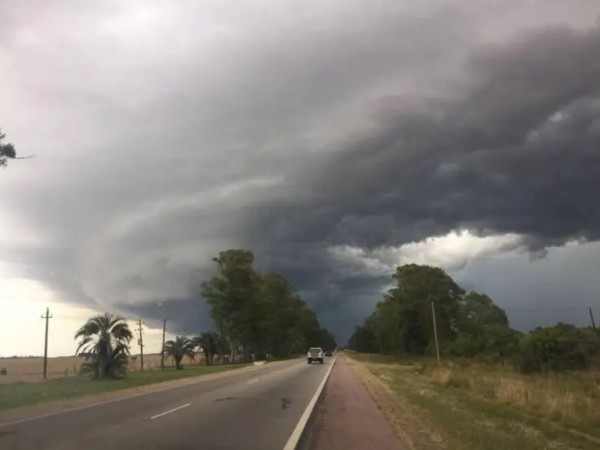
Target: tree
232,298
363,339
418,286
477,311
7,151
104,342
326,339
482,328
260,314
402,323
285,323
178,348
208,341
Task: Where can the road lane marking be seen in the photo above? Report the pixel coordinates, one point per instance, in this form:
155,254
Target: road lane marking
254,380
197,380
294,438
170,411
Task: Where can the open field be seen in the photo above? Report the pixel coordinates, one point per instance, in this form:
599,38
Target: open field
21,394
29,370
463,405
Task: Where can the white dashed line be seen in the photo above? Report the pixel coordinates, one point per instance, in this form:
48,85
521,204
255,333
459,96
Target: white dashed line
170,411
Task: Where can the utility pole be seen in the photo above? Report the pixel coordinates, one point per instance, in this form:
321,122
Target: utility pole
592,318
435,336
162,349
47,317
141,343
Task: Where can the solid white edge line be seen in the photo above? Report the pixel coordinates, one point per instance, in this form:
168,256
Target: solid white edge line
294,438
200,379
170,411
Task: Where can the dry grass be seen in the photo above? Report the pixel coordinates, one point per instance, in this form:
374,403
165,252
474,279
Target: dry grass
570,398
484,407
29,370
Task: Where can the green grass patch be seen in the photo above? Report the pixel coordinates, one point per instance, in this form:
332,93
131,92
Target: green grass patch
483,407
21,394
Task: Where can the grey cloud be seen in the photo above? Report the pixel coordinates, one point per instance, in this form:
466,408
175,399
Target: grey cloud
288,133
522,140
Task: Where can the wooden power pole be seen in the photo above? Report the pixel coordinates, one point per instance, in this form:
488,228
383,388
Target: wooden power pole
162,349
47,317
141,343
592,317
435,336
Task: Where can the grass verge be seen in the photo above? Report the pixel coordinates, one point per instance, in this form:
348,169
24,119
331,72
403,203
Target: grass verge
21,394
479,407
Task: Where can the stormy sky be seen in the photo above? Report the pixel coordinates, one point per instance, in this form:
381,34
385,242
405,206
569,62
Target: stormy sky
335,140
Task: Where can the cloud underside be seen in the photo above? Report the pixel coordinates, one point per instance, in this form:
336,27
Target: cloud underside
326,152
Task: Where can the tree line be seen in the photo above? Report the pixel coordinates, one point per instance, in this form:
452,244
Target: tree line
260,314
256,316
469,324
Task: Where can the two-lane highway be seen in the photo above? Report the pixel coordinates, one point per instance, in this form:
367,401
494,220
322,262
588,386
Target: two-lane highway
242,411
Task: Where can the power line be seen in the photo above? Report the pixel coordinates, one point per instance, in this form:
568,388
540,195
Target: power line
47,317
550,309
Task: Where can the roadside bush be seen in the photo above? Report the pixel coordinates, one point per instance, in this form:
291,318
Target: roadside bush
558,348
494,343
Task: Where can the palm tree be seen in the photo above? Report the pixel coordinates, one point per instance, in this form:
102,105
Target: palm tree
105,345
208,341
179,348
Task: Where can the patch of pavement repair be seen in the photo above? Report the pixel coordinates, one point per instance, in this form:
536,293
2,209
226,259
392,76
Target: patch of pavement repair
224,399
285,403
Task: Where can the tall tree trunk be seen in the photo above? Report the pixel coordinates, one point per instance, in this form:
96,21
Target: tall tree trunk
101,365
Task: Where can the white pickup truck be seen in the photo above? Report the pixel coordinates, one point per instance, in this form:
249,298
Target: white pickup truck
315,354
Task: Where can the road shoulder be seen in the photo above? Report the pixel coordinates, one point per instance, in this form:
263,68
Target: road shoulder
414,432
347,417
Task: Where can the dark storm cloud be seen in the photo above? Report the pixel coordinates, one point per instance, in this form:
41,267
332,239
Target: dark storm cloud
184,315
288,133
517,150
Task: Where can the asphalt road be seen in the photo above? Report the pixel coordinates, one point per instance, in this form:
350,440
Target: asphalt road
245,411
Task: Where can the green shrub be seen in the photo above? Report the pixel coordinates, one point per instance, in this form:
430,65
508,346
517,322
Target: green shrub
558,348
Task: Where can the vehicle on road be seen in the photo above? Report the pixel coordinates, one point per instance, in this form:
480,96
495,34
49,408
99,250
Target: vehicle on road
315,354
328,353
